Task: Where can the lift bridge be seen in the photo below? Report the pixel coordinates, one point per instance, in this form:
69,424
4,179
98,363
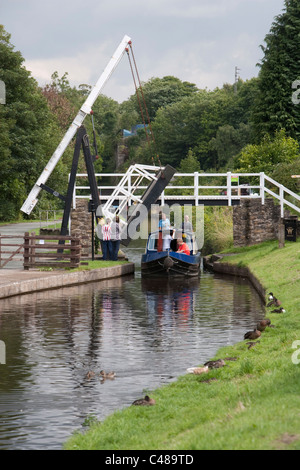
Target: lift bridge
131,189
231,190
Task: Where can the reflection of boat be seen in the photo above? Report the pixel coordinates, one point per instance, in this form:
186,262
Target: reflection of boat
169,287
173,296
161,256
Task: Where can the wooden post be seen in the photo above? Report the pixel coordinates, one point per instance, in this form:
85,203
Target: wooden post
75,253
32,249
281,235
26,251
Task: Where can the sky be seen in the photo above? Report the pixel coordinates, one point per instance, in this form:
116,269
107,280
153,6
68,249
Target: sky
198,41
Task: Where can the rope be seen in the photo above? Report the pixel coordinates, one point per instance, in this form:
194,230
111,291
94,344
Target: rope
139,101
144,101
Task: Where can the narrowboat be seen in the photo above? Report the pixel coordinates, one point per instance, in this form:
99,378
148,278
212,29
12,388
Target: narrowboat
162,258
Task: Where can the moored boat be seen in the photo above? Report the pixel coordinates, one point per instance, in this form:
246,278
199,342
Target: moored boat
162,257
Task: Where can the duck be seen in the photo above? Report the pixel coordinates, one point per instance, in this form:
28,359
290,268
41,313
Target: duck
262,325
107,375
90,374
252,334
251,345
278,310
273,301
198,370
271,296
215,364
146,401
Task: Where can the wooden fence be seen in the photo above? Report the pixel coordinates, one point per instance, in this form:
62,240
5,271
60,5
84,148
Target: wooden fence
9,248
41,250
51,251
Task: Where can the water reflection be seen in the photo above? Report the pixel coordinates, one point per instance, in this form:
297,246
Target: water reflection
147,332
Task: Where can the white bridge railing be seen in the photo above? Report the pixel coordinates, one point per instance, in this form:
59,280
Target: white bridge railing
197,192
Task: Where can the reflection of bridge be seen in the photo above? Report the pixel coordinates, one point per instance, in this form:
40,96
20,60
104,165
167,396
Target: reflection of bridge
198,188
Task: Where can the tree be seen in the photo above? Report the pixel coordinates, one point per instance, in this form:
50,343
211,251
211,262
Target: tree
229,142
279,69
59,104
161,92
27,130
189,164
283,174
269,155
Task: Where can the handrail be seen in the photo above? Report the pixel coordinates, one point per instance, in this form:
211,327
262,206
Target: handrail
232,192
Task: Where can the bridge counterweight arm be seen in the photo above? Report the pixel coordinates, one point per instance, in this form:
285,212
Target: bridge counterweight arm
32,200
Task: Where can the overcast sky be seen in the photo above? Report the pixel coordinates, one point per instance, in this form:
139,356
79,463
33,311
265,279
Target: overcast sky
200,41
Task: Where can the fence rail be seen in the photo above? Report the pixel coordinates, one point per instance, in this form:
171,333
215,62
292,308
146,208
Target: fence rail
41,250
58,251
8,255
198,192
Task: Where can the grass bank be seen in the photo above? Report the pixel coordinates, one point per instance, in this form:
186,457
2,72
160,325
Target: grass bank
252,403
98,264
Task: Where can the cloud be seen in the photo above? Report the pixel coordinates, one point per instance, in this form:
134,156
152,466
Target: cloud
200,41
79,66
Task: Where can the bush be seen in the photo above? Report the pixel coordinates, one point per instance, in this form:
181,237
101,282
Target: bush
218,229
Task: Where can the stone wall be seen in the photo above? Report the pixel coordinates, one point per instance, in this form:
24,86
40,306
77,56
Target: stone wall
81,223
255,223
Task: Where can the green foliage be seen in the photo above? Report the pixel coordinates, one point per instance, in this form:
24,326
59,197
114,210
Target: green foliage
27,130
218,229
189,164
279,68
269,154
205,122
159,93
229,142
283,174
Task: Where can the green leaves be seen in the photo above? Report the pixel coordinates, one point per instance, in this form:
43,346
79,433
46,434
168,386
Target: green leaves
269,154
280,67
26,130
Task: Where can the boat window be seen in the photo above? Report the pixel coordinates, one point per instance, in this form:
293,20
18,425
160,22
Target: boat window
152,242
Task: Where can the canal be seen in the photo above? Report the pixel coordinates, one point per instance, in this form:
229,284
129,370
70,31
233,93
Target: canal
148,332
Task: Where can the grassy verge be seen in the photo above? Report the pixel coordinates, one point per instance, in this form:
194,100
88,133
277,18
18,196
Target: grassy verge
98,265
252,403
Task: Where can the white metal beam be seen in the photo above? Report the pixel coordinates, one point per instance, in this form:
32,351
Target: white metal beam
85,109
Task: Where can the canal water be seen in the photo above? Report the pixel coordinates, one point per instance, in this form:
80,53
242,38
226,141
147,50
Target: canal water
148,332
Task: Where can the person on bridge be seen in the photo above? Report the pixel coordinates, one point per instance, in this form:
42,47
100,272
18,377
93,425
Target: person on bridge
182,247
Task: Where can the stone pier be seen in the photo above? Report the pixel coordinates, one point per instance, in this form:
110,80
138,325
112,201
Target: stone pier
81,223
255,223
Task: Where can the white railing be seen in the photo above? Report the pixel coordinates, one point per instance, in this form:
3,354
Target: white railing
199,193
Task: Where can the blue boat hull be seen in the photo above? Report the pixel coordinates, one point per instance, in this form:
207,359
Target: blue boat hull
166,263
